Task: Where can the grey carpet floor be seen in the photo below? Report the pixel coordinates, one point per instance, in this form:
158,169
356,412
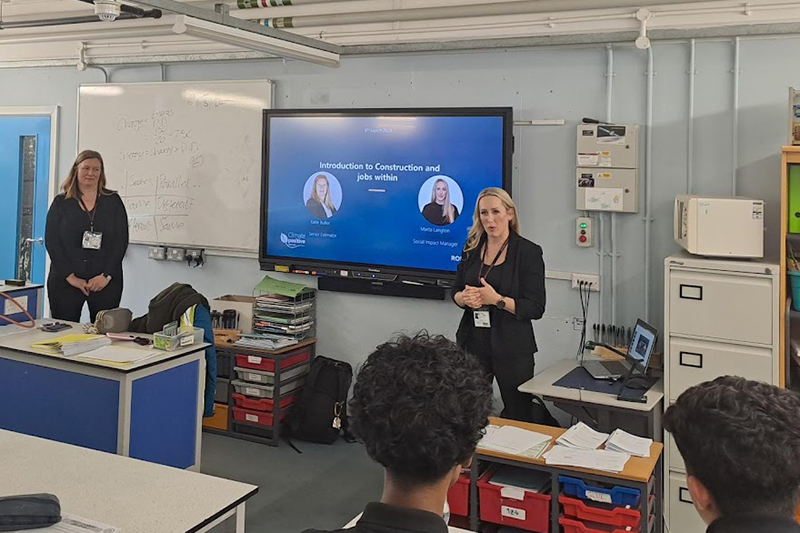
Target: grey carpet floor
324,487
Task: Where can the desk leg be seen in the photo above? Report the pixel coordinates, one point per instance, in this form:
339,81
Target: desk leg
473,494
231,522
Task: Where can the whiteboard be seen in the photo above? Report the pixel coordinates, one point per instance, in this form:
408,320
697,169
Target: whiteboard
185,157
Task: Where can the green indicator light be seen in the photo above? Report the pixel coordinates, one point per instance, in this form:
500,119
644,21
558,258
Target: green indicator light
583,225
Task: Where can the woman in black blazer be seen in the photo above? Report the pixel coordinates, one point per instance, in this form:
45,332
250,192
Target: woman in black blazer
500,286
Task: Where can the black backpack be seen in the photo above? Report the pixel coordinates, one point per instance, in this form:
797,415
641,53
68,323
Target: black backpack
320,414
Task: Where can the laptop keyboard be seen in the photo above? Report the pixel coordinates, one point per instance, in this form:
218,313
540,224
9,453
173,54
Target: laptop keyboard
615,367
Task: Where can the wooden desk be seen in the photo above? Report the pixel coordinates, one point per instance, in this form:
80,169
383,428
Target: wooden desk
599,410
149,409
137,496
642,473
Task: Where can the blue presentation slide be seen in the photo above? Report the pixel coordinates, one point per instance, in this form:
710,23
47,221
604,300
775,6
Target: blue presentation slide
396,191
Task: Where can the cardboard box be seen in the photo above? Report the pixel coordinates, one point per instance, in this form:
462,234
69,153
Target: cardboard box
243,306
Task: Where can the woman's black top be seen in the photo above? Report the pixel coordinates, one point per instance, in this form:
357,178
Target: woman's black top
434,214
521,277
66,224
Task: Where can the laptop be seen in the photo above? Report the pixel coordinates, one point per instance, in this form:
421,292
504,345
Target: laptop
643,342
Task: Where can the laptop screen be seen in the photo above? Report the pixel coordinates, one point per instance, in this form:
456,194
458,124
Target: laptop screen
642,343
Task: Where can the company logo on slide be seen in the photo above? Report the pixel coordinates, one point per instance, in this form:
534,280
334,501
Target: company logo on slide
293,240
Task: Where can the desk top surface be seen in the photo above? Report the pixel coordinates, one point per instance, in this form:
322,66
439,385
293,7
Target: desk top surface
21,342
636,469
542,385
137,496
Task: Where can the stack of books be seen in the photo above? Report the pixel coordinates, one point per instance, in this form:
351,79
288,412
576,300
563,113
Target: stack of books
74,344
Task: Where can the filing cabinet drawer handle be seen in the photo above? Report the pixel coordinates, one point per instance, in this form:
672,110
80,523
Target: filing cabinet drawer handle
683,495
695,361
691,292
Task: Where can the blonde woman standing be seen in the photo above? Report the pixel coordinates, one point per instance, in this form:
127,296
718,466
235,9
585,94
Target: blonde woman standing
86,237
500,286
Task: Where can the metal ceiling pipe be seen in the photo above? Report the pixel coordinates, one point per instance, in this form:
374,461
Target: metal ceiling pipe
525,7
56,22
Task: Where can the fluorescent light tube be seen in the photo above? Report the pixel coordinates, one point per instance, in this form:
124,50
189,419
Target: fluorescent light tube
253,41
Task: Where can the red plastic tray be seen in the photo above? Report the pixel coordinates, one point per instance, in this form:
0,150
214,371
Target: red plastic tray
532,513
571,525
261,404
256,362
260,418
618,517
458,496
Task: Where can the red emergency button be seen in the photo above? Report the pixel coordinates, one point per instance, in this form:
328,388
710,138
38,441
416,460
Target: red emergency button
582,238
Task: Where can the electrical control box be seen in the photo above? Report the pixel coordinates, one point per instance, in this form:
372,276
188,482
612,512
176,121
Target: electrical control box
610,189
583,232
607,175
608,145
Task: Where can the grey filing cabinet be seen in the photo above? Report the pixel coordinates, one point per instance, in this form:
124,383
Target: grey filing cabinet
720,318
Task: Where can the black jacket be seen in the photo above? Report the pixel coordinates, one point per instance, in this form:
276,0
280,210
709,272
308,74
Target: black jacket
317,211
753,523
66,223
511,335
167,306
382,518
433,214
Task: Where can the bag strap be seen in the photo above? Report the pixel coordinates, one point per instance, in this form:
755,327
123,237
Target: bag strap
344,386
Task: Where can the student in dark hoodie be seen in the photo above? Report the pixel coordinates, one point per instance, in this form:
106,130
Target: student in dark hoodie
740,441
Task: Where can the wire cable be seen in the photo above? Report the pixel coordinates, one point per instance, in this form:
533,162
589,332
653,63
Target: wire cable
27,314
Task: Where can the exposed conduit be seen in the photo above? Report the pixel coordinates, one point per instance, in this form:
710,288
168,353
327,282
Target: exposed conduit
735,136
648,183
690,120
523,7
609,102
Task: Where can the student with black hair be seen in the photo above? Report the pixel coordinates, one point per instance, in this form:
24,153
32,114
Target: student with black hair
740,441
420,405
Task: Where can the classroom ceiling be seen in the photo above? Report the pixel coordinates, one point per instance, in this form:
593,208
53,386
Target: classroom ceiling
63,32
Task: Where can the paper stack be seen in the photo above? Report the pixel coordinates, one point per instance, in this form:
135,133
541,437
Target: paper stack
513,479
582,436
593,459
511,440
265,341
74,344
622,441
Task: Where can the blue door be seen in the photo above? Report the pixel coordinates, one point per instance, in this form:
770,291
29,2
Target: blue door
24,175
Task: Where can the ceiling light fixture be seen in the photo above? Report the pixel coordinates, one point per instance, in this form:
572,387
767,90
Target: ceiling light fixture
253,41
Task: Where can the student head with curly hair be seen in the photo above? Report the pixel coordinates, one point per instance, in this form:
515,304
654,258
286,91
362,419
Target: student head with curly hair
420,405
740,441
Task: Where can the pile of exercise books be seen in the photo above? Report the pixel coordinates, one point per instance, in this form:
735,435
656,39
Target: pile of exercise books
73,344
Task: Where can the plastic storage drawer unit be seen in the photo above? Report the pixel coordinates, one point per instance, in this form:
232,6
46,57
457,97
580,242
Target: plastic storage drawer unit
600,513
575,526
260,418
262,404
458,496
268,378
267,364
265,391
615,495
531,513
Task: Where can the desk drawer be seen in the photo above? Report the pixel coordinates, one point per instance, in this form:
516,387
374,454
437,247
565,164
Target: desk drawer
683,517
692,362
719,305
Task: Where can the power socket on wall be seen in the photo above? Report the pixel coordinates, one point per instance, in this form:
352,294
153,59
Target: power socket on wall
593,280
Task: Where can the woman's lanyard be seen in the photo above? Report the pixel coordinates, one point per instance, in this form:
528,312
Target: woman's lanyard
483,259
91,213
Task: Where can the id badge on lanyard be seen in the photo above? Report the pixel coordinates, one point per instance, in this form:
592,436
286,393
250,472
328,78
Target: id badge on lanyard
92,240
481,319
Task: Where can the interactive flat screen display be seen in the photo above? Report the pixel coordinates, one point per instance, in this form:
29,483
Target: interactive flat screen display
392,189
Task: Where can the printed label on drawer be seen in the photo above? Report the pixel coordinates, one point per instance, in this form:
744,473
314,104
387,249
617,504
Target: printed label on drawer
512,512
514,493
251,418
251,391
253,377
253,360
186,341
598,496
